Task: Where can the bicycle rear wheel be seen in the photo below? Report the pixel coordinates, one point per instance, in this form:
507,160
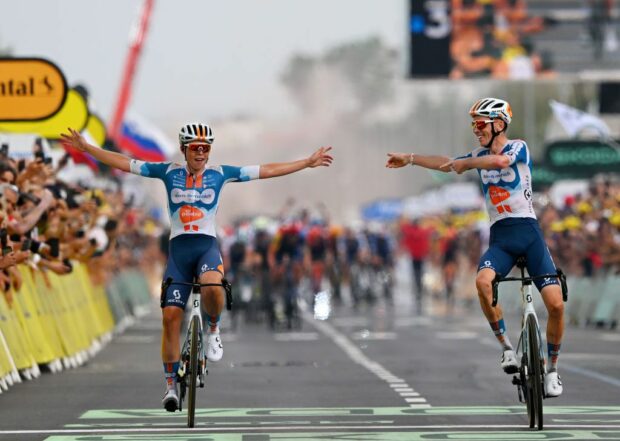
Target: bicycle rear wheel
534,375
194,330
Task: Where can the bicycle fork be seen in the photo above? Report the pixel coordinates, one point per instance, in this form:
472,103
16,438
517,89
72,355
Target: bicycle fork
185,351
522,349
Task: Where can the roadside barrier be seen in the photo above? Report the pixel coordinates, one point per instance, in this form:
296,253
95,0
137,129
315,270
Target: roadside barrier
592,301
57,322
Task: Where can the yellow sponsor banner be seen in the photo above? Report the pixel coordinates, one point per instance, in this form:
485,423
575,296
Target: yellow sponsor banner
96,129
18,345
30,89
32,318
74,113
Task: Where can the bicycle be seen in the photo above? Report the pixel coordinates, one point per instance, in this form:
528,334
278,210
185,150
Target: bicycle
193,363
531,379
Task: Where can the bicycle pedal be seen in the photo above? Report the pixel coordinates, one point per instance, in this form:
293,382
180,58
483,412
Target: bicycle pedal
516,381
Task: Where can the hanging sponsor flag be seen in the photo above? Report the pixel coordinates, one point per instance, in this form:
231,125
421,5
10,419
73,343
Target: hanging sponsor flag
142,140
574,120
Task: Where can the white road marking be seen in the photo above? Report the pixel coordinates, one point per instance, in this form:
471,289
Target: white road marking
592,374
296,336
415,400
313,428
609,337
354,352
458,335
365,335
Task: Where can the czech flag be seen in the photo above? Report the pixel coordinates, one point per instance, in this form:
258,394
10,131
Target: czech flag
142,140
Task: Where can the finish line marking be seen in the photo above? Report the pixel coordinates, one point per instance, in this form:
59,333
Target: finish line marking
344,412
291,428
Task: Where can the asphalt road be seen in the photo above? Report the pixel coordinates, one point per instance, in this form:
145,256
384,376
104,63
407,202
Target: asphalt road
379,373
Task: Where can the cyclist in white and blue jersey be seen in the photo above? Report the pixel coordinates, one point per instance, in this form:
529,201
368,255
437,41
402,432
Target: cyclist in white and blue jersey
193,196
505,170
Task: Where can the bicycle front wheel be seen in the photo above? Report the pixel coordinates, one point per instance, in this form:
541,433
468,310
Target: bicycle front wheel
534,374
194,330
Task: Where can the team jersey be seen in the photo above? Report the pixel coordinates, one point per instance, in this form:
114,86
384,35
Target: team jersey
507,192
193,200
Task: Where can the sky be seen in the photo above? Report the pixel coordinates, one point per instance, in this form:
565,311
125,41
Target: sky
203,59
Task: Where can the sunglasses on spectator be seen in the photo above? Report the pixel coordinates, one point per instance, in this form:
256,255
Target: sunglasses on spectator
206,148
480,124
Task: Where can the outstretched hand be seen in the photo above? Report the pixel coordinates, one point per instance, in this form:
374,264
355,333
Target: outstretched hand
456,165
73,139
320,158
397,160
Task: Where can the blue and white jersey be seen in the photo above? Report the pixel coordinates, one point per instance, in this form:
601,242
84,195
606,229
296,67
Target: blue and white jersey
507,192
193,200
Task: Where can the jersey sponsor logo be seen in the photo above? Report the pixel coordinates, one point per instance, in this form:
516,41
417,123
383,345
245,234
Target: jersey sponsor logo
178,196
190,214
495,176
527,193
498,195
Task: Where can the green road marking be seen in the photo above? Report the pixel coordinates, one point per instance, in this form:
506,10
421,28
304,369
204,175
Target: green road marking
572,435
347,412
230,423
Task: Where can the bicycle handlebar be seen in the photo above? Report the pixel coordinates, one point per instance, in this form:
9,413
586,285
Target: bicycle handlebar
196,288
527,280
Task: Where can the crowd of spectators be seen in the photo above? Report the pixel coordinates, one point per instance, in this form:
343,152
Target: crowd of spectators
583,235
49,224
491,39
442,250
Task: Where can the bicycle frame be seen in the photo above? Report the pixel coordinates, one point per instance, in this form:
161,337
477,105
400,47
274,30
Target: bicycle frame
533,367
195,312
193,360
528,310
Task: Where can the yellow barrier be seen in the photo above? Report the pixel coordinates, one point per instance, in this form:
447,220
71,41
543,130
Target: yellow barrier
53,318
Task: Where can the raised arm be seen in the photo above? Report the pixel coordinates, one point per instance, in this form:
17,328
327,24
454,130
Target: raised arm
488,162
318,158
76,140
397,160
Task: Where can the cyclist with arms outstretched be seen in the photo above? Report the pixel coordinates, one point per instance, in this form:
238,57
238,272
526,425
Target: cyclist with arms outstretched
193,196
505,169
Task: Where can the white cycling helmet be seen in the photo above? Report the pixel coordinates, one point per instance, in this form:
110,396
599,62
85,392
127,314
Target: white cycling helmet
492,108
195,132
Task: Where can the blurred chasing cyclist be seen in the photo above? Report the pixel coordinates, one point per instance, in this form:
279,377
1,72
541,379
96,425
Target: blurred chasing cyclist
504,166
193,196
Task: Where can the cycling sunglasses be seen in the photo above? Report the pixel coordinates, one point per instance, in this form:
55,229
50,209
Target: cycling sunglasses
206,148
480,124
